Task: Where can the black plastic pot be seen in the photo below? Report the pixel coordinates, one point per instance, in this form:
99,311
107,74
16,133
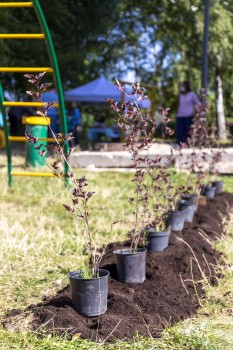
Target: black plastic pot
193,198
89,296
176,220
131,266
209,191
188,208
157,241
219,186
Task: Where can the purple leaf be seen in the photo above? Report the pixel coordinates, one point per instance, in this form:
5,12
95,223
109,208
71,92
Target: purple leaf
69,208
30,138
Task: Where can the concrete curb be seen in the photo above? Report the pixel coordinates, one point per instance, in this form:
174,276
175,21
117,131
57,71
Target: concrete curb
122,159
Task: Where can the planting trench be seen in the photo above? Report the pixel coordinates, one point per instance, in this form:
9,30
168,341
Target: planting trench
167,296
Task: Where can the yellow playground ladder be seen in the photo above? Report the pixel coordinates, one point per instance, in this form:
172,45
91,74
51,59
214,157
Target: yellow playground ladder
45,35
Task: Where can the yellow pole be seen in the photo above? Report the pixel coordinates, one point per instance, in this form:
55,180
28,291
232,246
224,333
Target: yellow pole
26,104
22,36
26,69
16,4
23,139
29,173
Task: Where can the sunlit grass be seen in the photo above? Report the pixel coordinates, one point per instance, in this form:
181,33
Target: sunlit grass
40,241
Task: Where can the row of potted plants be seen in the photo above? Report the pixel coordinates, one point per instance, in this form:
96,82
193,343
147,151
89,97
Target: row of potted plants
158,205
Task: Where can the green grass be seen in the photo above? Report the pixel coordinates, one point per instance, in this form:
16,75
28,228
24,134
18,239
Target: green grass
41,240
40,244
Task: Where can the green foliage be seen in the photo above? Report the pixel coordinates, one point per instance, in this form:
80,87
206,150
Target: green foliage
161,43
76,31
166,45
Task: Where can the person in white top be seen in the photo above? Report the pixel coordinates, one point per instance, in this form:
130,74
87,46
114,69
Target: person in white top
188,103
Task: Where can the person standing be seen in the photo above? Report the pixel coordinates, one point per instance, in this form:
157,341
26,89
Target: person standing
188,103
15,115
76,119
15,118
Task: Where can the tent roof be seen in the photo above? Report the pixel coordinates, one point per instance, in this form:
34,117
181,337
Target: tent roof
50,96
97,91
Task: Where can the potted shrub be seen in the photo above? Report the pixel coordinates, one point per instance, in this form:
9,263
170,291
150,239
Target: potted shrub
211,188
219,185
205,161
215,181
176,217
157,233
89,284
194,178
174,191
188,208
139,129
188,201
208,190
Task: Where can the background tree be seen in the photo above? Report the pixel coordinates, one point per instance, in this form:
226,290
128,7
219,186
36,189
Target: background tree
168,48
160,42
76,28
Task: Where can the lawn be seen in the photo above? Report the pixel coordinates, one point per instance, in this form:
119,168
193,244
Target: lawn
40,244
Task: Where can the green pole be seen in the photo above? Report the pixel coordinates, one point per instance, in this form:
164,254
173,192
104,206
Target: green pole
54,64
6,134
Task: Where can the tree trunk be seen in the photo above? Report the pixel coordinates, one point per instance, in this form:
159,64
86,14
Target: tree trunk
221,120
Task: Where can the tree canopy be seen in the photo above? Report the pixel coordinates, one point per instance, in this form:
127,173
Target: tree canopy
160,42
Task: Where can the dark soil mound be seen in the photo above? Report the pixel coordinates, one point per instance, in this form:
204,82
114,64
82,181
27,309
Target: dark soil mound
168,294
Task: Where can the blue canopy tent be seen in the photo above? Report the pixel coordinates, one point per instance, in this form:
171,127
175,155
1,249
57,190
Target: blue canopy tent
97,91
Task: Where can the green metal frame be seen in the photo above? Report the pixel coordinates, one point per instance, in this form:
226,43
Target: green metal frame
54,64
57,79
6,134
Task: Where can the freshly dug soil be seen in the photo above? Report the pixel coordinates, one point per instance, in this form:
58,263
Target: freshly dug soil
167,296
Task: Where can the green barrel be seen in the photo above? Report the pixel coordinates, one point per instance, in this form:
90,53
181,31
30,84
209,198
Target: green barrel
37,127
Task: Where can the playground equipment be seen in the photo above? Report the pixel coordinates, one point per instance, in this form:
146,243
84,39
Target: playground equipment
38,127
54,69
